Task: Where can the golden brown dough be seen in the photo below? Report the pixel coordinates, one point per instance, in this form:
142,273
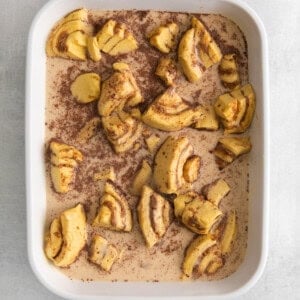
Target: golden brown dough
122,130
68,39
142,177
166,70
188,56
229,148
168,165
202,256
114,212
228,71
169,112
209,51
102,253
195,213
163,37
216,191
119,90
66,237
153,215
64,159
236,109
86,87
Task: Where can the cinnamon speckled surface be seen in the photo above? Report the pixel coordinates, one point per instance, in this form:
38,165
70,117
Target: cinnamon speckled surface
281,277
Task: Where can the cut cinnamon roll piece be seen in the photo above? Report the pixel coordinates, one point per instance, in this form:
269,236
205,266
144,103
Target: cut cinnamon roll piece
228,71
226,232
106,174
64,159
54,239
169,112
102,253
229,233
166,70
216,191
169,162
202,256
209,51
93,48
191,168
66,236
163,37
153,215
152,142
88,130
114,38
228,149
114,212
118,91
86,87
69,37
236,109
121,130
142,177
181,201
211,262
188,56
196,213
209,120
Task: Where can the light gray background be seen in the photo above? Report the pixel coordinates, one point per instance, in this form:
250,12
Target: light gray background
281,278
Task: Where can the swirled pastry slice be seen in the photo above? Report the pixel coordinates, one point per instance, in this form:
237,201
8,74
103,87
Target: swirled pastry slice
228,149
209,51
163,37
53,239
102,253
211,261
196,213
88,130
169,165
236,109
114,38
202,256
228,71
181,201
208,121
153,215
114,212
126,45
64,159
166,70
191,168
66,236
68,38
152,142
119,90
118,35
106,174
228,233
188,57
93,48
142,177
122,130
169,112
216,191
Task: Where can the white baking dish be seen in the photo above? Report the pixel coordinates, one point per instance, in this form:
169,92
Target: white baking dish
255,259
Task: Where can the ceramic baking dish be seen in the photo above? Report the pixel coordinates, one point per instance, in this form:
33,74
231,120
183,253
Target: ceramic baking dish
255,259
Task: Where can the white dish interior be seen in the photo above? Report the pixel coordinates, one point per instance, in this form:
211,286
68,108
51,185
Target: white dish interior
255,259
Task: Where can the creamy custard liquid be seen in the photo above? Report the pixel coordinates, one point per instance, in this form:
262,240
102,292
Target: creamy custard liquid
65,117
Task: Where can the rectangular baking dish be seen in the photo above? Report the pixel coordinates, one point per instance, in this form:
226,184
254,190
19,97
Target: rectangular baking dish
255,259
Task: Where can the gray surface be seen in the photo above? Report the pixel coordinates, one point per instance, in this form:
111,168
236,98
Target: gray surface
281,277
